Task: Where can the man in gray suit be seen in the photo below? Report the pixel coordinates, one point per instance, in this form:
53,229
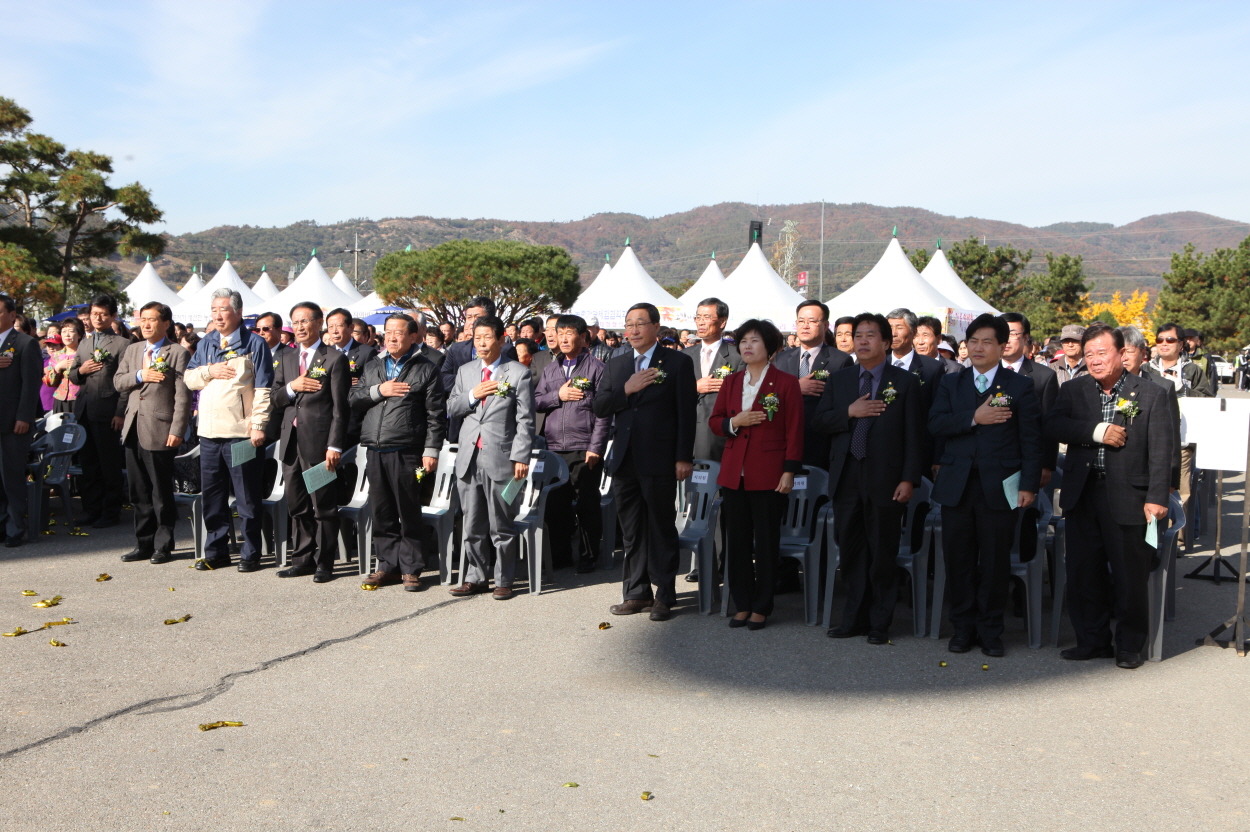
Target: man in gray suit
494,398
158,407
20,368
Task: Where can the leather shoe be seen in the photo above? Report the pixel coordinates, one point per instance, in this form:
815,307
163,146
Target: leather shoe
381,578
756,625
959,644
661,612
993,648
323,576
412,583
878,637
105,522
1081,654
585,567
735,623
692,577
467,588
13,541
136,555
1127,660
161,557
250,565
846,632
502,593
294,571
209,564
631,607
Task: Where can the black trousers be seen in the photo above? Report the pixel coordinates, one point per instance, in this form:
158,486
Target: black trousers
100,486
151,476
314,517
868,540
14,450
647,509
977,542
562,515
753,546
217,477
1096,543
395,497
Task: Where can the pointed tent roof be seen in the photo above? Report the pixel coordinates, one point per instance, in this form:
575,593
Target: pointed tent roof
148,287
611,294
193,285
708,285
942,276
755,290
344,283
892,283
367,304
264,287
313,284
198,308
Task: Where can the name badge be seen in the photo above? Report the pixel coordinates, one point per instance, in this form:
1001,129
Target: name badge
68,438
800,483
699,477
538,467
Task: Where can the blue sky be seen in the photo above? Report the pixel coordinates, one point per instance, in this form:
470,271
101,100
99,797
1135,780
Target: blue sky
265,113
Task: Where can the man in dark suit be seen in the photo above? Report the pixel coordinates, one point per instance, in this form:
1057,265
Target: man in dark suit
1118,429
988,433
459,353
158,409
21,368
1136,356
928,337
101,411
903,324
873,416
1045,382
651,393
339,335
310,389
812,362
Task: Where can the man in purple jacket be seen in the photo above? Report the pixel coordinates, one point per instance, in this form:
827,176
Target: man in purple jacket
565,393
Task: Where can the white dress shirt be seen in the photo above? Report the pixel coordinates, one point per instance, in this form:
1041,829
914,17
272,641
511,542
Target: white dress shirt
1016,366
307,356
646,358
706,353
749,391
905,361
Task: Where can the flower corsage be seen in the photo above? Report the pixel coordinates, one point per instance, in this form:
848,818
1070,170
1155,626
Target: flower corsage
889,394
919,377
420,473
1000,399
100,354
317,372
1128,408
581,383
503,389
660,375
722,372
771,403
161,365
820,375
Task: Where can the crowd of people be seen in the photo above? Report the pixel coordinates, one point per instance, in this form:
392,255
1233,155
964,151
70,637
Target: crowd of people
880,402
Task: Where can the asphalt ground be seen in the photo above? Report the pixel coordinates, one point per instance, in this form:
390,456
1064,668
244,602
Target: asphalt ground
392,710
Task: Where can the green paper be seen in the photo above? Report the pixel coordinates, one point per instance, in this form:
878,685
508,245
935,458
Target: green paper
318,477
1152,533
512,489
241,452
1011,488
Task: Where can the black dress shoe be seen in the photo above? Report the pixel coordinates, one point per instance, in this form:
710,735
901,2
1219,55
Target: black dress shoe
1127,660
291,571
249,565
735,623
993,647
209,564
847,632
12,542
135,555
585,567
960,644
660,612
323,576
1082,654
878,637
692,577
106,522
161,557
756,625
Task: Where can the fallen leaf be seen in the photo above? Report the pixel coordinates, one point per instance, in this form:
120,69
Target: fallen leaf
220,724
17,631
941,664
371,588
646,795
104,576
570,785
181,620
603,625
453,817
29,592
56,643
985,667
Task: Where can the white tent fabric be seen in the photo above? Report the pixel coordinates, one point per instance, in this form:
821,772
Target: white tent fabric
344,283
198,309
265,288
892,283
616,289
313,284
367,305
755,290
191,287
707,286
148,287
946,280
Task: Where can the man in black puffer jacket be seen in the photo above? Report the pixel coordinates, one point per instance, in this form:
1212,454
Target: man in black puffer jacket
405,419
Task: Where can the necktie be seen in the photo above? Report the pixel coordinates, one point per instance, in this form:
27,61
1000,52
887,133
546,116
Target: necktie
982,382
485,377
303,366
898,362
859,439
805,364
147,356
708,354
638,363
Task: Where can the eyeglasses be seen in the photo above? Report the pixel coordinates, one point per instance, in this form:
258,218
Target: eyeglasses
1162,340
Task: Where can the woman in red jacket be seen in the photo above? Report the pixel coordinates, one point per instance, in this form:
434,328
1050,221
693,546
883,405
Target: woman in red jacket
760,411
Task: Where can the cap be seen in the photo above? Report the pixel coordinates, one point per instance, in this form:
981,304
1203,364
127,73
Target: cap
54,337
1072,332
592,321
942,345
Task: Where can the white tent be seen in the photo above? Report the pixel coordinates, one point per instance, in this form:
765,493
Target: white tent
617,288
198,308
313,284
707,286
148,287
344,283
367,305
192,286
755,290
892,283
264,287
946,280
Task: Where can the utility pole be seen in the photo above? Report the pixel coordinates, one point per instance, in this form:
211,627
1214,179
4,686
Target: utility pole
355,251
821,292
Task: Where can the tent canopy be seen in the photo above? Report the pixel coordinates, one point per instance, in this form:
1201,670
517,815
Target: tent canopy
344,284
369,303
191,287
707,286
618,288
755,290
313,284
148,287
943,277
892,283
198,308
265,287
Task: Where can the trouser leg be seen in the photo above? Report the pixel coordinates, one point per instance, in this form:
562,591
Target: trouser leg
632,513
1087,568
214,495
248,481
14,449
141,487
503,536
741,548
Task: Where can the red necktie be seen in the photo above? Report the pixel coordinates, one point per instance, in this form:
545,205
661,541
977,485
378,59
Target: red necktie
485,377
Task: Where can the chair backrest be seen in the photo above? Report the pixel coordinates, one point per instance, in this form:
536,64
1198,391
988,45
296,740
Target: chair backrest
701,494
1032,525
445,478
801,509
273,451
548,471
1176,522
360,491
914,518
605,479
55,449
54,420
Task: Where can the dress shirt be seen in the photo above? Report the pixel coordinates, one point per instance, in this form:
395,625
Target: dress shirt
749,392
905,361
989,381
1014,366
812,354
306,355
149,351
876,372
706,353
4,336
1108,402
646,357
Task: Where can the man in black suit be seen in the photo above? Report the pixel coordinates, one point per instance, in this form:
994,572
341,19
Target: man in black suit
651,393
339,335
988,431
873,417
928,336
21,368
459,353
1118,429
903,324
310,390
1045,382
812,361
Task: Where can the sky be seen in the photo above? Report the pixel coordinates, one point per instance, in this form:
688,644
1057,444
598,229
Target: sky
267,113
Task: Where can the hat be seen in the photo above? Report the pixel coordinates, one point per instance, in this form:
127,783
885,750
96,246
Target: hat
53,337
1072,332
592,321
942,345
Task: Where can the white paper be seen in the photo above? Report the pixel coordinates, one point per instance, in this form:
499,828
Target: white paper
1011,490
1222,444
67,439
1152,533
800,483
699,477
538,467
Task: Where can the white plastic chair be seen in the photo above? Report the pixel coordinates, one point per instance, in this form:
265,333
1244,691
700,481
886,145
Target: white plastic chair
358,512
698,532
441,512
607,509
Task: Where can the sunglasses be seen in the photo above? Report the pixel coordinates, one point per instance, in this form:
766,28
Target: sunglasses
1167,340
262,329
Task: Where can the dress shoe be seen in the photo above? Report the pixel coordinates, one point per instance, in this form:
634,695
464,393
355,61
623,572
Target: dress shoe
692,577
878,637
1082,654
735,623
86,520
209,564
381,578
12,541
467,588
295,571
136,555
585,567
993,647
502,593
412,583
756,625
161,557
661,612
630,607
847,632
960,643
106,522
323,576
249,565
1127,660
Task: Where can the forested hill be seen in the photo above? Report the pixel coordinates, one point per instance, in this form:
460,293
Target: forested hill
676,247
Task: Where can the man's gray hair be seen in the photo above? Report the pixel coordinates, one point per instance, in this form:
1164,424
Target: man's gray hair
907,315
236,300
1133,338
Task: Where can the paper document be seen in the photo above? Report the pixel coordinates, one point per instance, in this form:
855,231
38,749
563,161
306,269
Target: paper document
512,489
318,477
1011,489
241,452
1152,533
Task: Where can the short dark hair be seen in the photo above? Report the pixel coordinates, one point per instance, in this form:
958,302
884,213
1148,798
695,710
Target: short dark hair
310,306
768,332
555,316
722,308
76,323
649,308
8,303
490,321
904,314
437,333
106,302
522,342
1018,318
347,316
572,322
845,319
164,311
1193,333
484,303
535,324
887,334
987,321
1097,330
400,316
824,310
1180,333
361,322
932,323
273,316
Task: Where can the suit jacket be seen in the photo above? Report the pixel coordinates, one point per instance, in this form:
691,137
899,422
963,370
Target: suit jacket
707,444
1169,390
323,415
1138,473
660,416
896,438
1045,389
928,370
157,410
541,361
995,451
97,397
434,356
20,381
758,455
455,356
829,359
504,423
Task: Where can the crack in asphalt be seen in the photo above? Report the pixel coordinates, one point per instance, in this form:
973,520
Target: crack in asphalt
222,685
